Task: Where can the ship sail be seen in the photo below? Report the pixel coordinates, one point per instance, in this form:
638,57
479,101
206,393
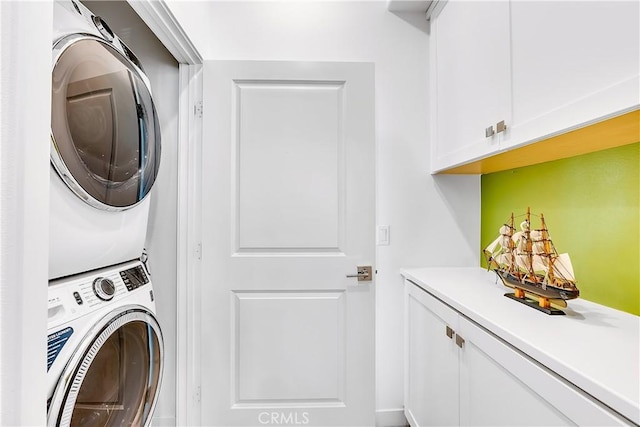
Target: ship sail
563,268
491,248
499,251
540,255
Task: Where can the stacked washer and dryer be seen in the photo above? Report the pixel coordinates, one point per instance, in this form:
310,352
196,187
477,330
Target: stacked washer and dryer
105,347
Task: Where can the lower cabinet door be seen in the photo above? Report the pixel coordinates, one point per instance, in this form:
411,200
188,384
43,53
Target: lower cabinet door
500,386
431,364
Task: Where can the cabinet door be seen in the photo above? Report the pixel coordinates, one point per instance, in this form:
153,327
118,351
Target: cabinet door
431,363
501,387
471,50
574,62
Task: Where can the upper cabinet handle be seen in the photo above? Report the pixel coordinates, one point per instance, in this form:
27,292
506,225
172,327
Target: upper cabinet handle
501,126
489,132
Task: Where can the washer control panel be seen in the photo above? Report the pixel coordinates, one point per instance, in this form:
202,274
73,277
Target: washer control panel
83,293
134,277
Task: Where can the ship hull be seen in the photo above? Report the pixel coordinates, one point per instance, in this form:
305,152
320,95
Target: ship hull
550,292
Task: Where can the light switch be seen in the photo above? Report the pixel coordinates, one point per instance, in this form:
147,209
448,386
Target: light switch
382,235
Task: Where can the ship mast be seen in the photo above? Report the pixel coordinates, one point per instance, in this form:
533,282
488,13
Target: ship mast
513,268
547,250
529,246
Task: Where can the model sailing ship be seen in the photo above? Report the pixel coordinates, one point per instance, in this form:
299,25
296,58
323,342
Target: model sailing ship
527,261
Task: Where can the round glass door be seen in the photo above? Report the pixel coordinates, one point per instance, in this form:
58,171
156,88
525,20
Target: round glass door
115,382
104,128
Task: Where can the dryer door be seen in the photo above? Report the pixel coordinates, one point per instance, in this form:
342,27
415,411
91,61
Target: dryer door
104,129
114,377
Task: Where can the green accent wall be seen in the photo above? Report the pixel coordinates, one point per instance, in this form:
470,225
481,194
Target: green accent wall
591,205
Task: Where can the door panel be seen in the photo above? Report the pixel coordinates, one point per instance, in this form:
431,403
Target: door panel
267,368
288,212
285,130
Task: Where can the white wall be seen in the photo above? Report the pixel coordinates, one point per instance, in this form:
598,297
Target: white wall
25,99
162,70
193,16
434,220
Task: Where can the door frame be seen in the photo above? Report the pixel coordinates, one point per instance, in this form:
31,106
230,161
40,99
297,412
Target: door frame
163,23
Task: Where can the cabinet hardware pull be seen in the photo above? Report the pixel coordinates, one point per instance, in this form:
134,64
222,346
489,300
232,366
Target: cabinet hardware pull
459,341
489,132
450,332
501,126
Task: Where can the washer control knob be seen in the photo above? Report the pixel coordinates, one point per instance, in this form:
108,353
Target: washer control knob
104,288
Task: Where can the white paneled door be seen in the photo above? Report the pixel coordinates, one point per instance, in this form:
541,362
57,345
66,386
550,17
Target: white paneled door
288,212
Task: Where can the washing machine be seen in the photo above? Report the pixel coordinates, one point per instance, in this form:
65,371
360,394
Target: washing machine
105,348
105,145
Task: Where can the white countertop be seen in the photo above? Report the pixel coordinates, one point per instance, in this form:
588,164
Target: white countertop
594,347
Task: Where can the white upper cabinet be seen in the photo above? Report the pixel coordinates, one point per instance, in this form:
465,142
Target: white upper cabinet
573,63
544,67
471,68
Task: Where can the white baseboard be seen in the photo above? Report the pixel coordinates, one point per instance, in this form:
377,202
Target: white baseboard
384,418
163,422
391,417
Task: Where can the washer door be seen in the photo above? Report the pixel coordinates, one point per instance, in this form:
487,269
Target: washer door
104,129
114,376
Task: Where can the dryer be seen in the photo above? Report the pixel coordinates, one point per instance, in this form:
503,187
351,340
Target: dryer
105,348
105,145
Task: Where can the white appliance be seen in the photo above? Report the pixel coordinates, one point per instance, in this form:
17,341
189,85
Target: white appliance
105,145
105,348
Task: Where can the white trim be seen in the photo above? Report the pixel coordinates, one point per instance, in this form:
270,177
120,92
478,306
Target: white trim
25,101
408,5
161,21
189,269
164,422
182,250
391,417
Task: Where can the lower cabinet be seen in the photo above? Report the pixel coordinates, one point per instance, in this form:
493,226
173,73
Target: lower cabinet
458,373
431,361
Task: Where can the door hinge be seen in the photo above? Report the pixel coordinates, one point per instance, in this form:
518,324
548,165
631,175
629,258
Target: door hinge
197,394
197,251
198,109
